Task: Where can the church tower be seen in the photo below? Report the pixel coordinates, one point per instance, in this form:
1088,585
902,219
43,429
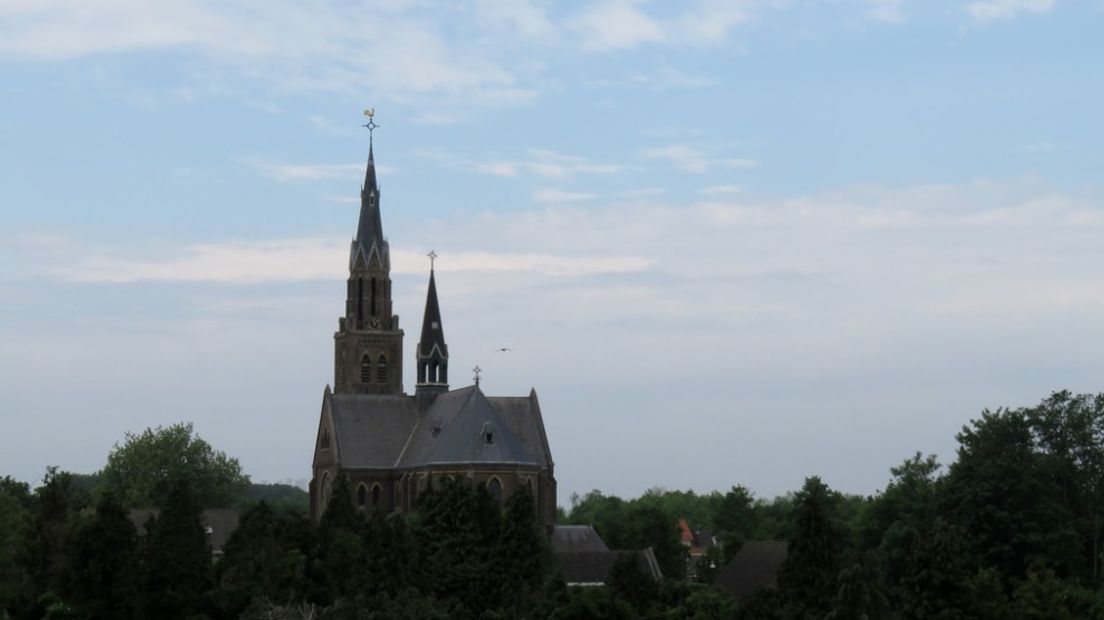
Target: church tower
368,342
432,352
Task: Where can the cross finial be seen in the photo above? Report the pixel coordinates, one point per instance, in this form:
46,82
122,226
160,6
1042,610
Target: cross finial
371,124
477,370
432,259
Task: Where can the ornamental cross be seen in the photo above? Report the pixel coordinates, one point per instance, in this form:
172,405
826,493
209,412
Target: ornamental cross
432,258
477,370
371,124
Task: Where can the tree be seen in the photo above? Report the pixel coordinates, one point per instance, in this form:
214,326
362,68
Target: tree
176,558
104,555
142,470
808,576
521,554
452,536
858,597
630,583
936,583
262,560
894,519
41,552
15,503
1003,489
735,519
340,543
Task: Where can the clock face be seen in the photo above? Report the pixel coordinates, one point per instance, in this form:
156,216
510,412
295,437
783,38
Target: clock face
374,323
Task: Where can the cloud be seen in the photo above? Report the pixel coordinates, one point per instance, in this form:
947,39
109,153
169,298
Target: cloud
890,11
695,159
665,78
989,10
714,190
315,259
556,196
615,25
520,17
286,173
329,47
547,164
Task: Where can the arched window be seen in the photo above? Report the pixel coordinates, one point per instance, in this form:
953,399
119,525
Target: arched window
381,370
494,487
324,491
366,369
362,495
376,492
373,304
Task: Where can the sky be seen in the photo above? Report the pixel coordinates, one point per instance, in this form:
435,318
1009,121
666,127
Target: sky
737,242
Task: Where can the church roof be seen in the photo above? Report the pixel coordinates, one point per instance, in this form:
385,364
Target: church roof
464,426
370,430
461,427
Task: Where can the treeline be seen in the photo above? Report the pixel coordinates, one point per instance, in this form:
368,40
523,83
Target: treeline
1010,529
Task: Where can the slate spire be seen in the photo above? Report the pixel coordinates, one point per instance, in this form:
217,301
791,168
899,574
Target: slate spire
370,228
432,352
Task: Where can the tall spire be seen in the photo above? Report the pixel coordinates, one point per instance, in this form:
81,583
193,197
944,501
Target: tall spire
370,228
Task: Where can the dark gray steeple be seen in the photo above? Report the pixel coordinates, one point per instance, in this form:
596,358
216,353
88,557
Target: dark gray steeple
369,236
432,352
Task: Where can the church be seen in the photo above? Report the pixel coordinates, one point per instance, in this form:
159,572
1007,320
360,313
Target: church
393,446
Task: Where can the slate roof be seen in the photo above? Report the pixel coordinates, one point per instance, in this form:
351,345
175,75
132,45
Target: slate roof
590,568
388,431
754,566
370,430
462,426
576,539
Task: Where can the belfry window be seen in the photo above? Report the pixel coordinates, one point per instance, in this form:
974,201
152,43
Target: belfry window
365,369
381,370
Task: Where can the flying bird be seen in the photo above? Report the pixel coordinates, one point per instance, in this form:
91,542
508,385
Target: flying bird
503,349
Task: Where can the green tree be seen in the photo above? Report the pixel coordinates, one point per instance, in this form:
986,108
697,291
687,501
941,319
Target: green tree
15,504
521,555
452,536
858,597
893,520
103,551
736,519
41,551
808,576
176,559
1041,596
142,470
1003,490
340,544
936,583
264,559
630,583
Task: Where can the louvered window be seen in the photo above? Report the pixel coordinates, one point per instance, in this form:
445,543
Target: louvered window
381,370
366,369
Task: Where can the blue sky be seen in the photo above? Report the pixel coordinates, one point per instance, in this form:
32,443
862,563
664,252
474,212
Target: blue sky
728,242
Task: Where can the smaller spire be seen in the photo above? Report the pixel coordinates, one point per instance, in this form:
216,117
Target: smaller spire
432,352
